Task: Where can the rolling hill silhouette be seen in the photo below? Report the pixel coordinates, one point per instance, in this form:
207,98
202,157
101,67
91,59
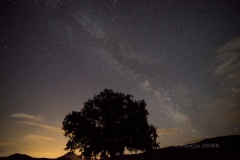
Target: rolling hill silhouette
226,147
18,156
69,156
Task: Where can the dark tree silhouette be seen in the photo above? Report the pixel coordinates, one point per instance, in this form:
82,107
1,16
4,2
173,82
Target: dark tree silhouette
108,124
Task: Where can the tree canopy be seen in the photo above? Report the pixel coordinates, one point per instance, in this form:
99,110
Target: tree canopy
108,124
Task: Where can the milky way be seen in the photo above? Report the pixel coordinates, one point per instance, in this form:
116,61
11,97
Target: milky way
181,57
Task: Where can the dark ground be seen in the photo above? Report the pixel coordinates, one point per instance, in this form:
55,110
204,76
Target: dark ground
227,147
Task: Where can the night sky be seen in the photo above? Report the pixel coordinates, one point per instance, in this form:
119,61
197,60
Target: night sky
182,57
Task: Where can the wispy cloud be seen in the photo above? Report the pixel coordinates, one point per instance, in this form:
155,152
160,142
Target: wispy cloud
232,116
38,137
168,131
26,116
226,69
6,143
42,126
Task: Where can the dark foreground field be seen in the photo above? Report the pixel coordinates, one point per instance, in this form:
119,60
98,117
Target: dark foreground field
227,147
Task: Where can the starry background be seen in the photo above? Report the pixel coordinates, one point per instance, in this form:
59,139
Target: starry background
181,57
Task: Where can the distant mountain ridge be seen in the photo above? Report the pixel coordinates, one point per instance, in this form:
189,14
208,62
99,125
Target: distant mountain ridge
17,156
226,147
69,156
